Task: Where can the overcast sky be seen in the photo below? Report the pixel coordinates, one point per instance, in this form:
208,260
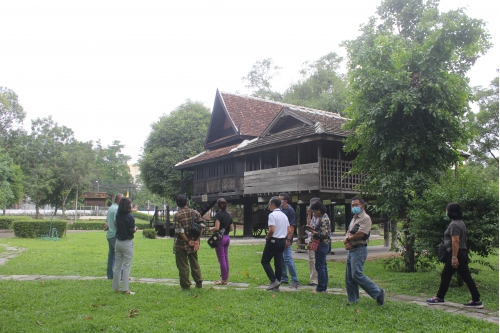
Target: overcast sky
109,69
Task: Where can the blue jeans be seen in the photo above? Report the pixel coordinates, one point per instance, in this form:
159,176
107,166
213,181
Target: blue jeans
288,263
354,277
321,268
111,257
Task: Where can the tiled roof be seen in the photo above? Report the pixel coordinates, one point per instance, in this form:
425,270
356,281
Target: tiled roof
331,122
94,195
249,114
207,155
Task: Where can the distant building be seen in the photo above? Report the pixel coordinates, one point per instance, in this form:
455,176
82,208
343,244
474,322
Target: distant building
94,199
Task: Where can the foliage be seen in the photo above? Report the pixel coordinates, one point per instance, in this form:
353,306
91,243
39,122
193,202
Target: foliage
99,225
149,233
322,86
479,202
6,221
485,145
408,100
11,112
37,228
8,177
260,77
111,168
142,216
173,138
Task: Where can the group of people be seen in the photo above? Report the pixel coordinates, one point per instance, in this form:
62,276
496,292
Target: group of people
121,227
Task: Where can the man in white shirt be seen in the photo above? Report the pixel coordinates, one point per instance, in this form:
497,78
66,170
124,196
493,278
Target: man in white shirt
275,243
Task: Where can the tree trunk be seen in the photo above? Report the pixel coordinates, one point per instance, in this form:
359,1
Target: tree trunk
37,211
409,254
4,211
394,233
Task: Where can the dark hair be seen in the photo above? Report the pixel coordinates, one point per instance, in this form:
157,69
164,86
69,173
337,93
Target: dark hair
181,200
318,205
275,201
454,211
125,206
286,197
221,203
361,201
314,199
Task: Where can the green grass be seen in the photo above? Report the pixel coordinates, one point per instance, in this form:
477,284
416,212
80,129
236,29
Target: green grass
90,306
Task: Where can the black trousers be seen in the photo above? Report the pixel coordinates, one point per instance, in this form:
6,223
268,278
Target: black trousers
274,249
463,271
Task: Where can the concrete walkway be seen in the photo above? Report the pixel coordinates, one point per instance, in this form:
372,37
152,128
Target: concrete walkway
483,314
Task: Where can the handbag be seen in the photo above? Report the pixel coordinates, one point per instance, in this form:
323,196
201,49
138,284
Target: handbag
216,238
313,245
443,251
194,228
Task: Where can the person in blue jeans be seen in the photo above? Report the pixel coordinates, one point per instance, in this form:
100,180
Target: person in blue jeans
110,228
288,263
321,232
356,242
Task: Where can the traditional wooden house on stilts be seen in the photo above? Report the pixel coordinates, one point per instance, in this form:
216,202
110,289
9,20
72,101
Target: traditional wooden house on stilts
256,149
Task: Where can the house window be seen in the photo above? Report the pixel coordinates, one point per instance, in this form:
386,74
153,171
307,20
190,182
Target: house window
213,171
199,174
228,168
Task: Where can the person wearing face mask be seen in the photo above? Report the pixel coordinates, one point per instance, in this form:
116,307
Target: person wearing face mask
356,242
455,238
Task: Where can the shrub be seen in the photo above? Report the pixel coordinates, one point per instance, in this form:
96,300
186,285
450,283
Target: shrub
141,224
142,216
92,225
375,227
6,221
36,228
149,233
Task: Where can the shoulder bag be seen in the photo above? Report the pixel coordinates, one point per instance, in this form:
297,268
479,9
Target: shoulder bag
216,238
194,228
443,251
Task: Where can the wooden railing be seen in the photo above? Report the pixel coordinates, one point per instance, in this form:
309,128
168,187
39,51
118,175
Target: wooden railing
334,175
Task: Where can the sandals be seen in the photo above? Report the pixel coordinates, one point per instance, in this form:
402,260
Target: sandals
220,282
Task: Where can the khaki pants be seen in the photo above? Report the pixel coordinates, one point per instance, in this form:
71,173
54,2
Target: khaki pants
313,275
184,260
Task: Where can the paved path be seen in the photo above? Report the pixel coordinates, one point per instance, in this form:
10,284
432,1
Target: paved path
484,314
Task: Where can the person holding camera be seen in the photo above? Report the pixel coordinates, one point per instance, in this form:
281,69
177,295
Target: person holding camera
223,220
321,233
356,242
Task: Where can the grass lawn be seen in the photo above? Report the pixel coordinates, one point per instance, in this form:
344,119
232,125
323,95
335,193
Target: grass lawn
91,306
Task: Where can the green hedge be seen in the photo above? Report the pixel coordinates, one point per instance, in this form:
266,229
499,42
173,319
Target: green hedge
6,221
37,228
99,225
149,233
142,216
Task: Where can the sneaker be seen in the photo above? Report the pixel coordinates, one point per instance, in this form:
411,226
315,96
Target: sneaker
275,289
474,305
273,285
294,285
284,282
381,297
435,300
312,284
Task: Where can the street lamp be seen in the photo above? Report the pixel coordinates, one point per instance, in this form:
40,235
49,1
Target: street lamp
97,185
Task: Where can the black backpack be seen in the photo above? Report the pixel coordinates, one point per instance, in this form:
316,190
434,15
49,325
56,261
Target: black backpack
194,228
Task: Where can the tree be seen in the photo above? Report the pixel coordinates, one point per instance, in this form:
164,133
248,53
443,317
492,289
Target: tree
485,145
72,170
479,202
111,168
42,149
173,138
260,77
408,99
11,112
322,86
11,189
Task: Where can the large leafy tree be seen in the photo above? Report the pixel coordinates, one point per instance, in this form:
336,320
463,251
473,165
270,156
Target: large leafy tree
11,112
322,86
173,138
485,145
260,77
42,149
408,98
11,176
111,168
